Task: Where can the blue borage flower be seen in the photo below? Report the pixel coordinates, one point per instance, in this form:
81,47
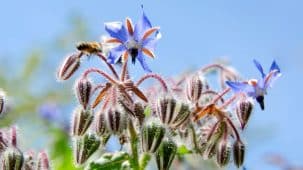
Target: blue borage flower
257,88
136,41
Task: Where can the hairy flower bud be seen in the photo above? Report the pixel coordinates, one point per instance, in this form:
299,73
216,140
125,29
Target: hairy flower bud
69,66
84,147
152,135
139,112
100,124
116,121
12,159
223,153
244,109
208,146
3,142
2,101
29,162
81,121
194,88
239,153
166,154
83,90
172,113
43,161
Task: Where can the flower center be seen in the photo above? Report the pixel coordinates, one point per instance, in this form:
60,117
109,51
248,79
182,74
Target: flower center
133,48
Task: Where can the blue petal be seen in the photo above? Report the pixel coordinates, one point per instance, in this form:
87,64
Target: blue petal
115,54
241,87
117,30
150,43
142,61
259,67
274,66
142,25
271,79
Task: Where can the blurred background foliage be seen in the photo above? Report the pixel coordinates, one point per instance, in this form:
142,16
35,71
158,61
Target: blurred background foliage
34,96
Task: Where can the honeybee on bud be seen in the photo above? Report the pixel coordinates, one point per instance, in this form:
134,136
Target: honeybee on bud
89,47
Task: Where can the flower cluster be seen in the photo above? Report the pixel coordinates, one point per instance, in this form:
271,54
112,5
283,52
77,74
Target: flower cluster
183,112
13,158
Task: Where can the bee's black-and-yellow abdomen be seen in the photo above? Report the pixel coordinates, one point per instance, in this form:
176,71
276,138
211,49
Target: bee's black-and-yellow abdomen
89,47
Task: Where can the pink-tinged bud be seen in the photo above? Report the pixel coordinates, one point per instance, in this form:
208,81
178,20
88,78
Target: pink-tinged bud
139,112
83,90
223,153
172,113
100,124
84,147
239,153
13,136
29,161
116,121
69,66
12,159
244,109
43,161
194,88
2,101
82,119
3,142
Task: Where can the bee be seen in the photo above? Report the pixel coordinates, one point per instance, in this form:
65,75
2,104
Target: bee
89,47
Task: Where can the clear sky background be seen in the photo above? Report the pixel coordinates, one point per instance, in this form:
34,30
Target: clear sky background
194,33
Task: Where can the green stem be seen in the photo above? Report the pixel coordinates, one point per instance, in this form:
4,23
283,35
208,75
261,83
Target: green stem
194,138
145,158
134,146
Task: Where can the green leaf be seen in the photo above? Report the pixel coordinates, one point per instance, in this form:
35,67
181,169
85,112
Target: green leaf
182,150
113,162
147,111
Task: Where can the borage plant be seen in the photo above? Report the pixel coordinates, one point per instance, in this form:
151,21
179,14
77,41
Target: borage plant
163,120
12,158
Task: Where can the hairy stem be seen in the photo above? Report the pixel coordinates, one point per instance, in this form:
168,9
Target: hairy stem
134,146
154,76
145,158
105,75
109,65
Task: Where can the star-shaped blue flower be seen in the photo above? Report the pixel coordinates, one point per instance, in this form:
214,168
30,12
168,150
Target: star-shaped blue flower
257,88
136,41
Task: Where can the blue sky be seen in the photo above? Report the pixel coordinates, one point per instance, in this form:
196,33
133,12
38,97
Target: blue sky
195,33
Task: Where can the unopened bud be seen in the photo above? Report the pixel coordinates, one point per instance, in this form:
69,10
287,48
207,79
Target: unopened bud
29,162
81,121
209,144
223,153
83,90
43,161
69,66
239,153
172,113
12,159
84,147
100,124
2,101
244,109
166,154
116,121
139,112
194,88
13,137
152,135
3,142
